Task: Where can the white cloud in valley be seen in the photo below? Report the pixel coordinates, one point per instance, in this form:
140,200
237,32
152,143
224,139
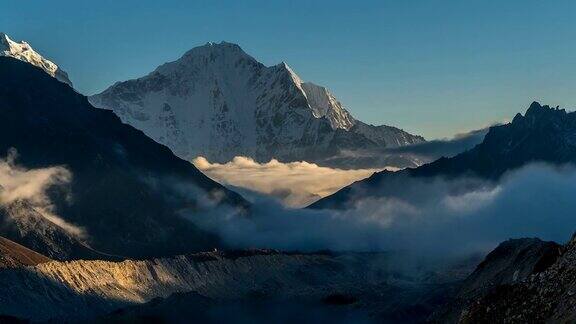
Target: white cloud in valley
428,217
295,184
18,184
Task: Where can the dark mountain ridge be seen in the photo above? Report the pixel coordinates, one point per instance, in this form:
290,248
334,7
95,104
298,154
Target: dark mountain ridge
543,134
512,262
546,296
128,192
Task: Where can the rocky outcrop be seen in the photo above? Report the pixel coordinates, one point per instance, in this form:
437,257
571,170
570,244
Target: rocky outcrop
511,262
545,297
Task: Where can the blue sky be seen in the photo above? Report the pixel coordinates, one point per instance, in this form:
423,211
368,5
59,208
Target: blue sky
434,68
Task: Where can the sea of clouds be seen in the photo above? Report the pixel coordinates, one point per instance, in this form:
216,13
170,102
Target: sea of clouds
294,184
425,216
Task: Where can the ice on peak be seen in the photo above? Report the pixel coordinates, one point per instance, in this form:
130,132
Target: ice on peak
283,65
320,101
284,68
324,104
8,43
317,88
24,52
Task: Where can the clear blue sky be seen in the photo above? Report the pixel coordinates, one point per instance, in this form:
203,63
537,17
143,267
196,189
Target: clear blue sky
431,67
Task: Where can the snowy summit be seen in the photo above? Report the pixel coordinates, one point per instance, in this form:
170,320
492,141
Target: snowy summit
24,52
218,102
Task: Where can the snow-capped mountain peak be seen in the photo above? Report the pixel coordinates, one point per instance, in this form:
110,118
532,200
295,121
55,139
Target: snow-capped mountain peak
220,52
283,66
219,102
24,52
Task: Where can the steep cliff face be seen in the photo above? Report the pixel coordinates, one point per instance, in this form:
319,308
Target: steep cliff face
218,102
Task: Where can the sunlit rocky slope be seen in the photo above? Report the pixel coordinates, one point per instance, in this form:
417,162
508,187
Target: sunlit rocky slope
87,289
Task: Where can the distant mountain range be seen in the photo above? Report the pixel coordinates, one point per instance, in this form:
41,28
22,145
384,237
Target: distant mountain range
218,102
130,194
543,134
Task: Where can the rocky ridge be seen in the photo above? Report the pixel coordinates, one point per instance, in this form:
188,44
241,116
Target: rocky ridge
548,296
80,290
542,135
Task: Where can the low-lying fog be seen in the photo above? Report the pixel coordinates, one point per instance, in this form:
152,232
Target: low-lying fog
432,217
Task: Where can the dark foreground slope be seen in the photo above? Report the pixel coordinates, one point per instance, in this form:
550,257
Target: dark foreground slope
545,297
220,287
511,262
129,193
543,134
